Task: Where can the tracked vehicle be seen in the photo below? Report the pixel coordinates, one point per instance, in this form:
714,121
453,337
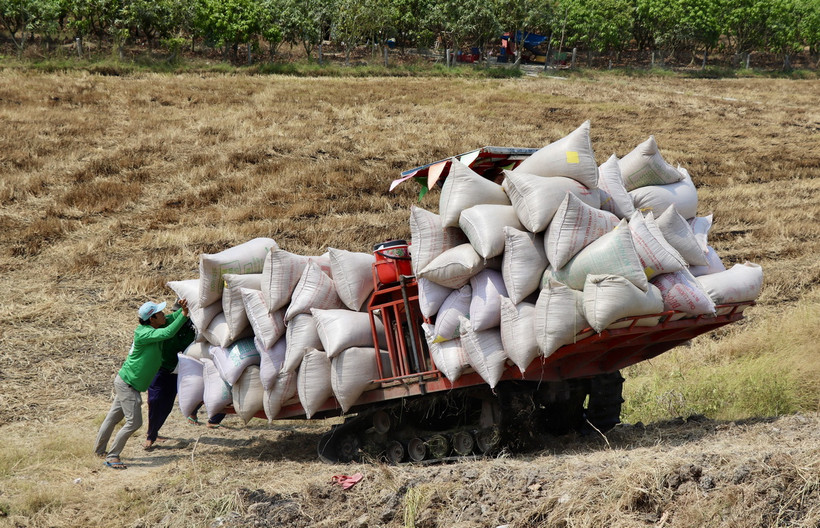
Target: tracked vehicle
415,414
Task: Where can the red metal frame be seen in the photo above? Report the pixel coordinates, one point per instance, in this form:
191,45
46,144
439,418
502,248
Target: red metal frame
611,350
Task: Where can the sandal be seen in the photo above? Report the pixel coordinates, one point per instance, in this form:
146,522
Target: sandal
214,425
192,420
115,464
148,445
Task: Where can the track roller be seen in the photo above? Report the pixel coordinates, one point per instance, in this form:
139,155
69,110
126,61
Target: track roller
463,443
395,452
417,449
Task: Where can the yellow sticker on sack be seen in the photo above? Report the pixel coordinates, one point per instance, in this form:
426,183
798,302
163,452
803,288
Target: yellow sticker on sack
572,157
649,271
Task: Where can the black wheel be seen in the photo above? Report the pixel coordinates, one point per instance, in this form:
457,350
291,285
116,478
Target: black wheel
487,440
463,443
438,446
348,448
381,422
395,452
417,449
603,410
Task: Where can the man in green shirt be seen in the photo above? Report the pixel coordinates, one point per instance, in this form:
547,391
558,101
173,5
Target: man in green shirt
140,366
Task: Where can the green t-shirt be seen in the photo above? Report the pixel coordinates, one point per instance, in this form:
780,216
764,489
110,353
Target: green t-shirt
176,345
145,357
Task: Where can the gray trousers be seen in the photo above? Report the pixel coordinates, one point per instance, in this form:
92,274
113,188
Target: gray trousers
127,404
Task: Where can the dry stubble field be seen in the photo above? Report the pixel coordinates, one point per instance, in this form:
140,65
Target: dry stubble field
112,186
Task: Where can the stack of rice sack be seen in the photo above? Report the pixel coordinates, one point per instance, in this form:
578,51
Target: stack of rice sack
559,249
274,326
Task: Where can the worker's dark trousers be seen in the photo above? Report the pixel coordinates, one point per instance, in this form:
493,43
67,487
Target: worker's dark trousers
161,395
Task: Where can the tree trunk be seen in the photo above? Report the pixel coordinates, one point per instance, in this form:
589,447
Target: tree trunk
705,55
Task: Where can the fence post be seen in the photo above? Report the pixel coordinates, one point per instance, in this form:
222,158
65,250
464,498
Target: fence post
79,43
385,56
448,58
574,54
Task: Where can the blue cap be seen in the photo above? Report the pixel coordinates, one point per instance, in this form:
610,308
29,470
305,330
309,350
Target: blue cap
150,308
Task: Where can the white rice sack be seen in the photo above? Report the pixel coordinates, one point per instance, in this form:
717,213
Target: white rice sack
657,256
315,290
569,157
559,317
216,393
353,276
232,304
518,332
524,261
463,189
701,226
677,231
536,199
240,260
740,283
575,226
429,238
271,361
280,275
283,389
485,304
683,293
456,306
342,329
454,267
267,326
219,334
300,337
484,226
352,372
313,381
190,384
485,351
614,196
613,253
247,394
608,298
715,265
233,360
198,350
189,290
657,198
449,356
645,166
431,296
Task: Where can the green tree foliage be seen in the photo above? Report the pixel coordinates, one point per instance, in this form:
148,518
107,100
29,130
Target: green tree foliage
601,26
229,22
466,23
526,17
745,24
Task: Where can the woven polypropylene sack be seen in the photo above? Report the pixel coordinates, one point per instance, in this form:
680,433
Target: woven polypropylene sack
559,317
271,361
431,296
280,275
657,198
536,199
740,283
352,372
701,225
683,293
657,256
218,332
231,361
613,253
300,337
518,332
353,276
484,226
267,326
614,196
283,389
247,394
190,384
240,260
715,265
524,261
449,356
463,189
574,226
232,304
217,393
608,298
456,305
485,304
313,381
429,238
454,267
677,231
569,157
189,290
485,351
645,166
342,329
315,290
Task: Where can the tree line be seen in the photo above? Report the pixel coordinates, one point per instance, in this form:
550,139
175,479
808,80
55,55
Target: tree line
600,28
